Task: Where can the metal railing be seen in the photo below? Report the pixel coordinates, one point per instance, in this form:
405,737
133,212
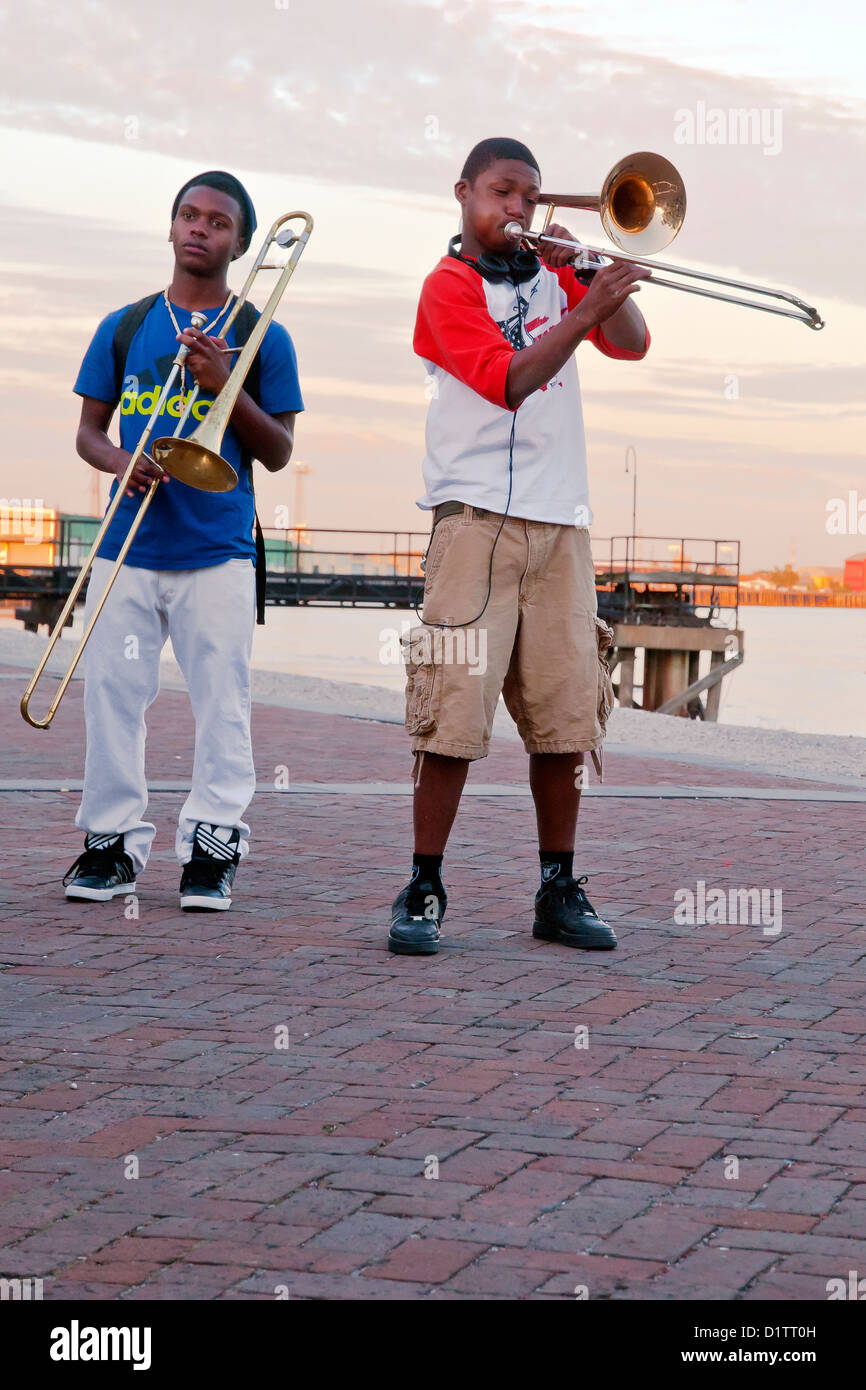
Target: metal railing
643,578
694,579
300,550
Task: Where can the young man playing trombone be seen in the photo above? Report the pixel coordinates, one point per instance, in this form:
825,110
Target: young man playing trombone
509,556
189,574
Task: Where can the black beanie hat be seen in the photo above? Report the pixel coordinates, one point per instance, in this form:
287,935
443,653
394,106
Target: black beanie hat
224,183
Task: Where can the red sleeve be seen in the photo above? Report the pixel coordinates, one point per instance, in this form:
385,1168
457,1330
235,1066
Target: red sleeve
454,330
574,292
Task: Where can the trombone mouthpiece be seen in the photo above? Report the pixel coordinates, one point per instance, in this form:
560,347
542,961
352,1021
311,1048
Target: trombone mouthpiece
513,230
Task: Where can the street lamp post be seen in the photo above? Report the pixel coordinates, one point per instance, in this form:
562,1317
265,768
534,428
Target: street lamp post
631,450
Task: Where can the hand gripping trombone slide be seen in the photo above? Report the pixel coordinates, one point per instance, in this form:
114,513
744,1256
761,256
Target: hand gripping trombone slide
195,460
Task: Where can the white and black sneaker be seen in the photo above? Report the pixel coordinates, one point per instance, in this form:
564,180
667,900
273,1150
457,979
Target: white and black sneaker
102,872
206,881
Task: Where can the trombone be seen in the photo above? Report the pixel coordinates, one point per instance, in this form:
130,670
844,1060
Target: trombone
195,460
642,203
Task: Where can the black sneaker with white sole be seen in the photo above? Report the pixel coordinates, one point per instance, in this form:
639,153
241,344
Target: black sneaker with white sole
102,872
564,913
206,881
415,916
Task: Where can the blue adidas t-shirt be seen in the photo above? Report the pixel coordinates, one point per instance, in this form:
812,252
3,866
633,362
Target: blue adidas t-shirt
184,528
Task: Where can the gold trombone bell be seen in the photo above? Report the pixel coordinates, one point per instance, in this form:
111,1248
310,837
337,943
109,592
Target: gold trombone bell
194,465
642,203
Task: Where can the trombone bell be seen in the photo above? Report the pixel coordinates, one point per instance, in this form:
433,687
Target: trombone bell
642,203
631,204
194,464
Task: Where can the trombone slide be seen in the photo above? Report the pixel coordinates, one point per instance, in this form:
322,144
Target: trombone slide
198,320
805,313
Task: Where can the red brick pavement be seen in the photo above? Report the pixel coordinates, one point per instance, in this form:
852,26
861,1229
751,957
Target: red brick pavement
149,1045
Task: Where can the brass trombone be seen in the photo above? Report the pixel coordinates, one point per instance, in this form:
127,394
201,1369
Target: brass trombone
642,203
195,461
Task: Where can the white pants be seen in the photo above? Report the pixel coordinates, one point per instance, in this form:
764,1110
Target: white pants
209,614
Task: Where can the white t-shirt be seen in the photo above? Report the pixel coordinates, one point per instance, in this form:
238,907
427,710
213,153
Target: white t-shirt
466,332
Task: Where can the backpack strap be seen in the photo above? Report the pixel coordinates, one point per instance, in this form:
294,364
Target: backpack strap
245,322
124,333
246,318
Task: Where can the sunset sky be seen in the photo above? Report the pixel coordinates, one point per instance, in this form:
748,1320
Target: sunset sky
362,114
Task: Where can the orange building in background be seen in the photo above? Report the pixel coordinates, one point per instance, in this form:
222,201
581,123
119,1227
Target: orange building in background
28,533
855,573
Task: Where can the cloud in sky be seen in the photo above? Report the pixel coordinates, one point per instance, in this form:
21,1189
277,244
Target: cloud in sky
365,113
392,94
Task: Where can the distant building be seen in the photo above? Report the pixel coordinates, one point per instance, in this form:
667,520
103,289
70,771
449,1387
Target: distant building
27,532
755,581
855,573
823,577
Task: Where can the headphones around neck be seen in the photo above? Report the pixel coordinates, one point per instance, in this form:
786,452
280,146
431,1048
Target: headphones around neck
523,265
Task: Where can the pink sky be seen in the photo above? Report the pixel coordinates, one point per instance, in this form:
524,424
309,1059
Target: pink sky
744,426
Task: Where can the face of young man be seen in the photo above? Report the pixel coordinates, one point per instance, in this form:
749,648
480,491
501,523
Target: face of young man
207,232
505,192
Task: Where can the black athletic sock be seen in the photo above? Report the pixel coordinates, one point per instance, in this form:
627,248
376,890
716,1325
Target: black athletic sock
555,864
429,868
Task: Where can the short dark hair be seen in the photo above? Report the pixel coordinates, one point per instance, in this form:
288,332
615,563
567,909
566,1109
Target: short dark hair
486,152
224,183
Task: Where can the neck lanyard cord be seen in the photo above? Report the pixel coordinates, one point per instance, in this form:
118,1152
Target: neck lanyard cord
207,328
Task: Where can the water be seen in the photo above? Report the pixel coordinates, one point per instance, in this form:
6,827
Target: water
805,668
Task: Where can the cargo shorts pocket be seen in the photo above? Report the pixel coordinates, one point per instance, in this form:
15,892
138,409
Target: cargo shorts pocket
604,640
423,681
437,546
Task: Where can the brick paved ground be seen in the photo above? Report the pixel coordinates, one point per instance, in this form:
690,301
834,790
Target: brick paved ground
606,1166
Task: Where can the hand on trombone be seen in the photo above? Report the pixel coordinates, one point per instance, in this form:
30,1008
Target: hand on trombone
208,360
610,289
143,473
611,284
558,256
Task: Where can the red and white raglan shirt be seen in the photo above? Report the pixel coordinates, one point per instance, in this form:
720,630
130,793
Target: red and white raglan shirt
466,332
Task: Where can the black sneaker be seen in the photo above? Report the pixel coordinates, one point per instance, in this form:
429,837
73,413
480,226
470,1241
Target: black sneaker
564,913
415,917
101,872
206,881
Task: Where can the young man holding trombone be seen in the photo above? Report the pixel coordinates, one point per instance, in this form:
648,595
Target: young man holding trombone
189,573
505,476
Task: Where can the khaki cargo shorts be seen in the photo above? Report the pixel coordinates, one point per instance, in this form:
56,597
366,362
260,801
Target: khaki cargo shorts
539,642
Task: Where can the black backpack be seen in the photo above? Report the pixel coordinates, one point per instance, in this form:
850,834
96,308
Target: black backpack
244,323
